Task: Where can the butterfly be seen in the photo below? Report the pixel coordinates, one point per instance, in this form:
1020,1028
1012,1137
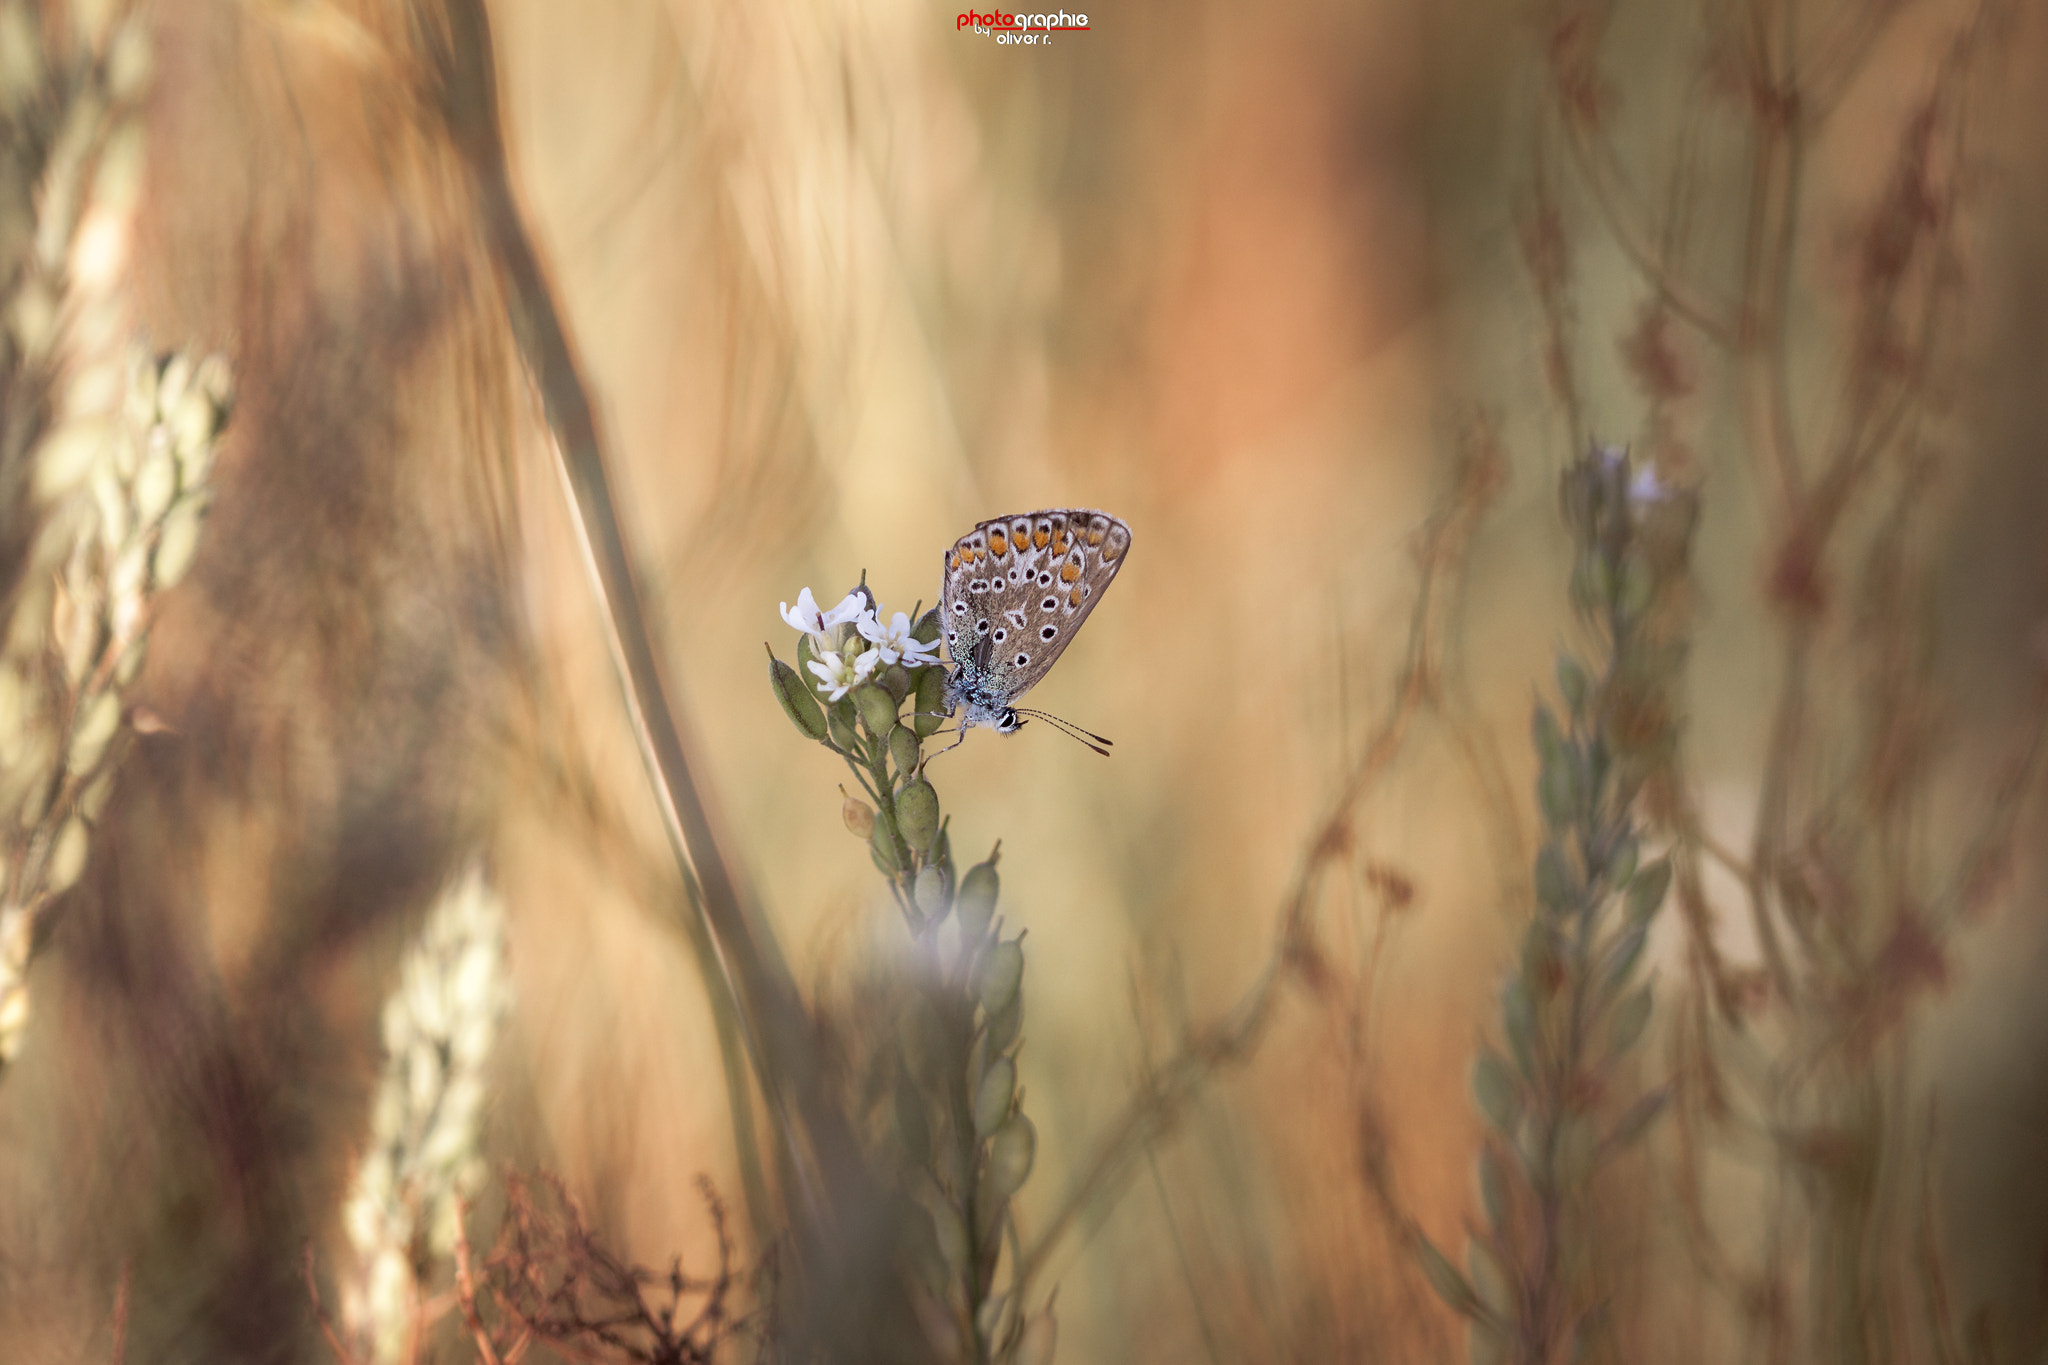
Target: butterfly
1016,590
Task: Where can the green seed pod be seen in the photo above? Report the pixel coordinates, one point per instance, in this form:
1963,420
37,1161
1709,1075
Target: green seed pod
1489,1281
1628,950
859,817
1646,892
1555,885
1605,580
895,680
991,1207
976,900
931,894
1621,862
903,749
951,1234
877,710
883,841
1005,1024
797,702
1446,1279
1518,1016
927,1261
1573,683
1493,1085
917,814
1010,1154
1629,1018
994,1096
1557,791
931,701
1637,587
927,628
998,975
839,724
1493,1187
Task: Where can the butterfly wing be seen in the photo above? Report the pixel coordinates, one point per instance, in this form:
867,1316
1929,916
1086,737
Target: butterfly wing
1017,588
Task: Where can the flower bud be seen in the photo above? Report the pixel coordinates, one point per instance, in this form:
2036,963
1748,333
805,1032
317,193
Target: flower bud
998,975
994,1096
859,817
797,702
903,749
877,710
976,900
931,701
1010,1154
917,814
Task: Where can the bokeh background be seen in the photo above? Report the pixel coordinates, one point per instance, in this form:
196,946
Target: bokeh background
845,280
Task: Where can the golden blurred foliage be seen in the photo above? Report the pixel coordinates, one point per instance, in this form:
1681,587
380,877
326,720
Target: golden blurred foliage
1322,299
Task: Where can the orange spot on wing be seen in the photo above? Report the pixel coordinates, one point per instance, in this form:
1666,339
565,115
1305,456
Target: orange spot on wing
996,543
1074,598
1059,543
1069,572
1095,537
1039,537
956,560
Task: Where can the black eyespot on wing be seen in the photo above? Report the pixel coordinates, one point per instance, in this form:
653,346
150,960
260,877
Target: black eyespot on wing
1049,604
951,636
959,608
1048,632
1045,578
1023,659
981,626
1001,634
978,585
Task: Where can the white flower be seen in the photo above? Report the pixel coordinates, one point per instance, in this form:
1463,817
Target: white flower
1646,488
893,641
839,674
805,616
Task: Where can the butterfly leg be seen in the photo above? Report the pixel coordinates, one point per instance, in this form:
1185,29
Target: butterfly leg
960,730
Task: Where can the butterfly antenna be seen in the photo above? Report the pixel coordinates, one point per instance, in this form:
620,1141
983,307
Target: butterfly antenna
1087,738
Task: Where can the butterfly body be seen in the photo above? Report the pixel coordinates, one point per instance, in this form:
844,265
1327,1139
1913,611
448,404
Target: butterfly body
1015,592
